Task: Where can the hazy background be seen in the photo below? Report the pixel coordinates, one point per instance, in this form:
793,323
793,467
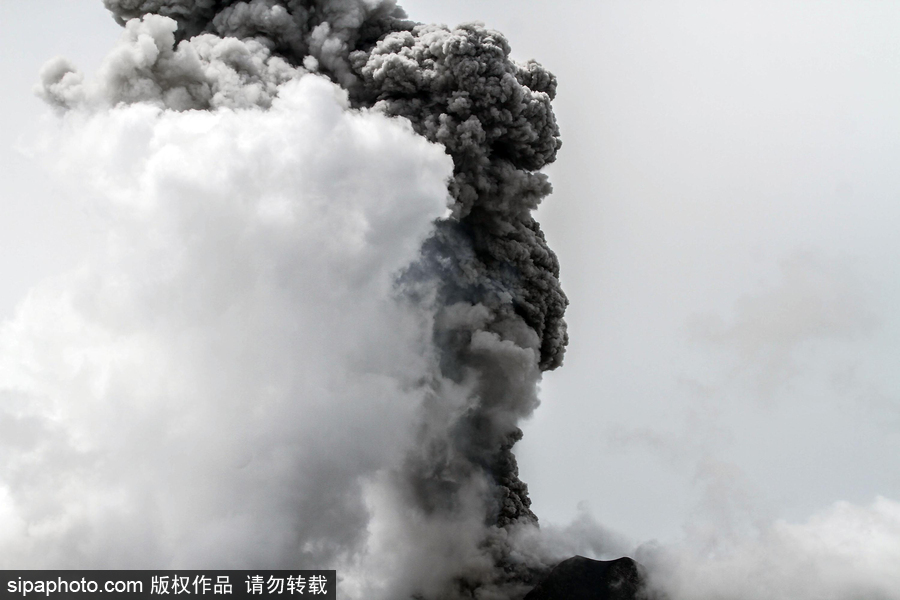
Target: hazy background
726,215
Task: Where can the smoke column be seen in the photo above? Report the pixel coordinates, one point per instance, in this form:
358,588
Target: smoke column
321,309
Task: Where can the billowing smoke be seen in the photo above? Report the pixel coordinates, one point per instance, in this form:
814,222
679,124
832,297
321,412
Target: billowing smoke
320,311
846,551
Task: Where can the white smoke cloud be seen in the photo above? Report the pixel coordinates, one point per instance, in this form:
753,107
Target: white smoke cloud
233,358
791,341
846,551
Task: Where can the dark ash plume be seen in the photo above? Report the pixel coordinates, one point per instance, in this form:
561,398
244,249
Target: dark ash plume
495,273
487,271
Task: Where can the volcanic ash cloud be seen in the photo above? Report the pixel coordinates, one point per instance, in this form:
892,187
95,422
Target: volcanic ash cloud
320,309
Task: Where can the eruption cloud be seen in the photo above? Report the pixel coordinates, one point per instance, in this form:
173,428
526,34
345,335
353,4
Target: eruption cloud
321,309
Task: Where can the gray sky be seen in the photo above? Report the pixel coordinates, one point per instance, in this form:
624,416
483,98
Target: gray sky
725,214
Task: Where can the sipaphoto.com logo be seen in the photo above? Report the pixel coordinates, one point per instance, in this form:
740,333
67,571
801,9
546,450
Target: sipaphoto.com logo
131,585
47,587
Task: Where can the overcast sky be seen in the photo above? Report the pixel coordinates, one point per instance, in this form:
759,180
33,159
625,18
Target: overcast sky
726,213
